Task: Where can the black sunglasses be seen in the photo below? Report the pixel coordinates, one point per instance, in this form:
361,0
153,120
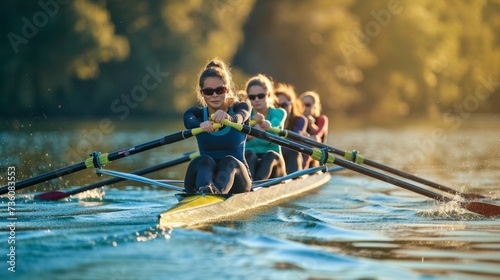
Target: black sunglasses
285,104
259,96
307,104
219,90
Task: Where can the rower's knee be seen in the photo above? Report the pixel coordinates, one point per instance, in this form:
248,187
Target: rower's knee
251,156
229,162
275,162
205,160
271,156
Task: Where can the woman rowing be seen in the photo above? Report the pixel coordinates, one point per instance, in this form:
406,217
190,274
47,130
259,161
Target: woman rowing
264,158
295,122
317,126
221,166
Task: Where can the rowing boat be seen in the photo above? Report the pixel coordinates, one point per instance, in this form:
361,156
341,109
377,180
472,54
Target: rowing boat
199,209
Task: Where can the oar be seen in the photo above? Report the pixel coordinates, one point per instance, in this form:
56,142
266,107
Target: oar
324,156
97,160
296,174
170,181
56,195
138,178
357,158
255,183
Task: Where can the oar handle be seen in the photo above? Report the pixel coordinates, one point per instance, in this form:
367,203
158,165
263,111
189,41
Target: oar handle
199,130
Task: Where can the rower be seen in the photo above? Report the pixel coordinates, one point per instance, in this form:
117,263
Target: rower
221,166
295,121
264,158
317,126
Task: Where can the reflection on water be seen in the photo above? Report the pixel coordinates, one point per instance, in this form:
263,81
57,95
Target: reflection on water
354,227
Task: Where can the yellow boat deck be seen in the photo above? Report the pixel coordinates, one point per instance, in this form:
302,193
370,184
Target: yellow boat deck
202,209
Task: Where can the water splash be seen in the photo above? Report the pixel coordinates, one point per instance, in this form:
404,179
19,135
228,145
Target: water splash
91,195
153,233
449,211
149,234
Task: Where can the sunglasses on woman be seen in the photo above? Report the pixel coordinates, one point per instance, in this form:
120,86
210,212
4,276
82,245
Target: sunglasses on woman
285,104
219,90
259,96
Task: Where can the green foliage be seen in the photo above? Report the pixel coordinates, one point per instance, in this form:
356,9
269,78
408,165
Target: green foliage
433,56
50,46
382,58
199,31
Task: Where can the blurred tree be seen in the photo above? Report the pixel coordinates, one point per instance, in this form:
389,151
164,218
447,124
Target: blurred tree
176,37
378,58
307,44
199,31
431,56
50,45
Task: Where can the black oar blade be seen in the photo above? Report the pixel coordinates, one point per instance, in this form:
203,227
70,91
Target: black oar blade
485,209
51,196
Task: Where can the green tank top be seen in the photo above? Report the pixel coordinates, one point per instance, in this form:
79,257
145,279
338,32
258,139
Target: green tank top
277,117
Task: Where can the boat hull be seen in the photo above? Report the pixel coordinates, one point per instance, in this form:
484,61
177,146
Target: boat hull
200,209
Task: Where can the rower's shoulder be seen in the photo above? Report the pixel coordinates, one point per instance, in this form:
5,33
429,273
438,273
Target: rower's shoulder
193,109
238,105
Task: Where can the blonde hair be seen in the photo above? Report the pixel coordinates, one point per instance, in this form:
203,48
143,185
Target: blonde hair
242,96
289,92
217,68
316,108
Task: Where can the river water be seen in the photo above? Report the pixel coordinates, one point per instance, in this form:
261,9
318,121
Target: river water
354,227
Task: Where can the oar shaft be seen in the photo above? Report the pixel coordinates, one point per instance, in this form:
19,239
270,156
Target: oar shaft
416,178
104,158
317,154
46,176
169,139
142,171
341,162
484,209
390,180
290,176
138,178
297,137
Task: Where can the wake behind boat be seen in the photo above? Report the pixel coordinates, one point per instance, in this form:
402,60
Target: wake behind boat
198,209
